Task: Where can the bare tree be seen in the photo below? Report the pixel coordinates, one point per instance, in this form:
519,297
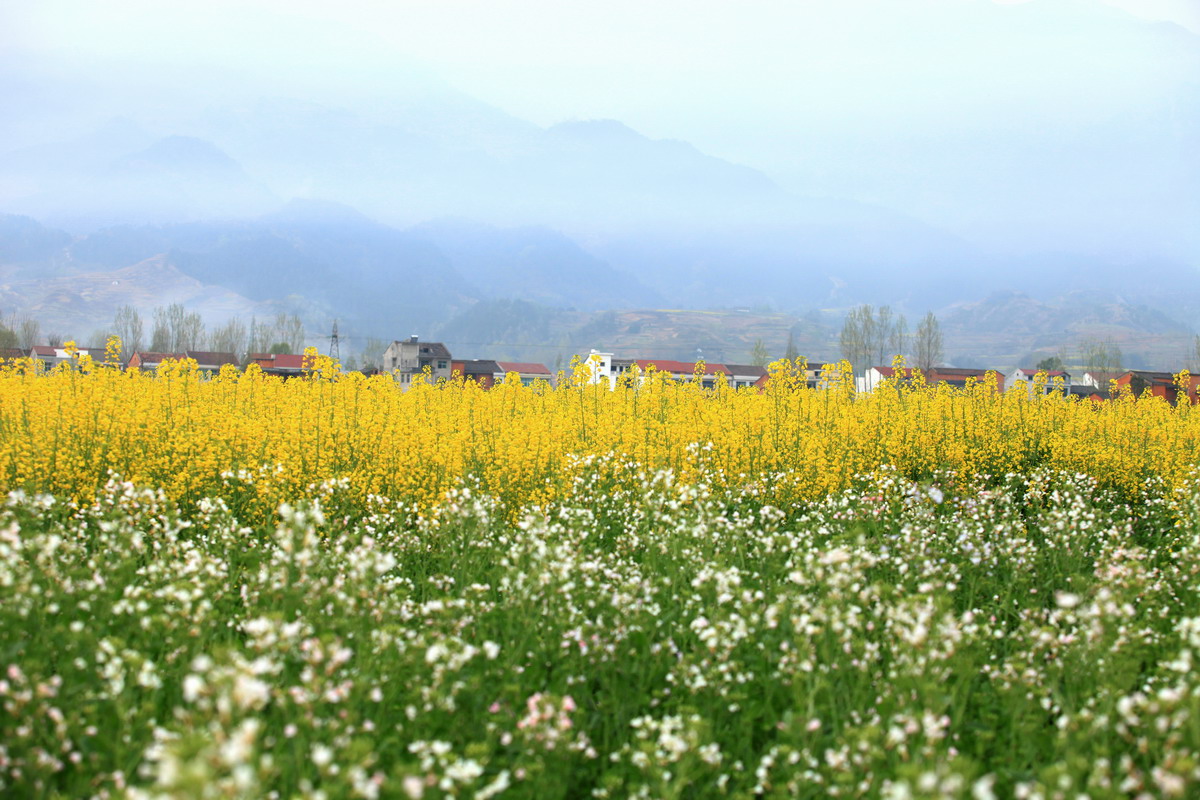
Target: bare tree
372,352
898,336
176,329
283,334
8,336
871,337
22,331
190,335
791,353
891,334
759,356
230,338
857,337
258,338
127,325
291,330
1102,360
99,338
54,339
176,316
28,332
927,343
160,337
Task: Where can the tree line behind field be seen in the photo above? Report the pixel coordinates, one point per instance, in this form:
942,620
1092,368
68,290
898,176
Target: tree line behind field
170,329
873,336
869,336
174,329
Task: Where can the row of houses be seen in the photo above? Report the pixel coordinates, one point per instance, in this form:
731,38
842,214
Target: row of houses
405,360
1092,385
408,358
411,357
149,361
605,368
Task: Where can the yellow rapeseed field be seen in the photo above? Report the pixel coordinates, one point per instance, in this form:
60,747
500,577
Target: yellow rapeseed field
262,440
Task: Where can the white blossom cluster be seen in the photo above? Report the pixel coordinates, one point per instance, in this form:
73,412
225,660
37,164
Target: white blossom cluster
648,637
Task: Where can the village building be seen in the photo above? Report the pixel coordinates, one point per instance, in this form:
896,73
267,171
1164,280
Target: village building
682,370
1100,380
957,377
1085,392
816,378
1158,384
741,376
10,355
488,373
285,365
407,359
206,361
1054,379
149,361
599,367
210,361
603,367
51,357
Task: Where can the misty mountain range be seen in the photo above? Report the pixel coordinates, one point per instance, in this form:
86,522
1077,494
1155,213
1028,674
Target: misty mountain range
403,213
521,292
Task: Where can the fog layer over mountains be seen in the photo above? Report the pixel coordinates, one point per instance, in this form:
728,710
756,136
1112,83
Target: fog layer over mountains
922,158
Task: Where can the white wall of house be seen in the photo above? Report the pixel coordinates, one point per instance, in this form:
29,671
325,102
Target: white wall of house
867,383
600,368
1028,377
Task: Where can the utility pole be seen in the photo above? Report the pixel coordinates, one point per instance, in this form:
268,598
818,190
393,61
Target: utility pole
334,350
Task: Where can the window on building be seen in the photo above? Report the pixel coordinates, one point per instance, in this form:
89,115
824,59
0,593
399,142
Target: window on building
441,365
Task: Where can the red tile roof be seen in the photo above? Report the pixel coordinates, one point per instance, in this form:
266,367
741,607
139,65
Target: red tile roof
286,361
218,360
525,367
890,372
1159,378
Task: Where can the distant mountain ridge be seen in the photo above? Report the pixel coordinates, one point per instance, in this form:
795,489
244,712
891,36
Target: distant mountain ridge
82,302
525,289
535,264
675,217
393,283
336,262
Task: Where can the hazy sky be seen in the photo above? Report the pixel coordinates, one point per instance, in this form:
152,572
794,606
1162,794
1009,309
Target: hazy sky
930,106
667,67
